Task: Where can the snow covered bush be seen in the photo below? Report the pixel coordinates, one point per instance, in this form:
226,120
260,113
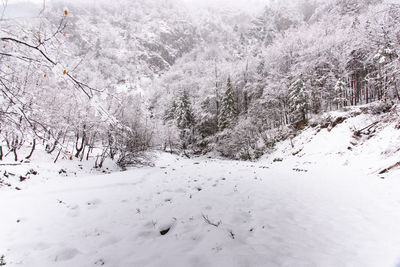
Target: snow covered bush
242,142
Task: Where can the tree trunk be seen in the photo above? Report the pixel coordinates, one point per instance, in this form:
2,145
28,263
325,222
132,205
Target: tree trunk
59,151
33,149
396,91
79,149
216,94
83,152
14,150
88,152
111,144
103,157
53,147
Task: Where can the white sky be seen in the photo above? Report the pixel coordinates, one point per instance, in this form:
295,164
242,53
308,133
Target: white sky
247,4
24,8
213,3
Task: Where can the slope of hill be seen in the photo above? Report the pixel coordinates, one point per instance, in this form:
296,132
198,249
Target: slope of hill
365,139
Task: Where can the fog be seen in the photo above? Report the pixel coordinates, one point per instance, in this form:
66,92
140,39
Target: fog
245,5
31,8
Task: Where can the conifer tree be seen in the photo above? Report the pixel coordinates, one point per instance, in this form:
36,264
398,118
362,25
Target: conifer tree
184,113
181,113
298,101
340,92
228,114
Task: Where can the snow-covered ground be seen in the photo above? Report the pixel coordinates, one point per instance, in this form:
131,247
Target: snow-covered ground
332,147
317,200
264,214
25,173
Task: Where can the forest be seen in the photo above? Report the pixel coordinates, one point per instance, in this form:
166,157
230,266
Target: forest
199,133
112,81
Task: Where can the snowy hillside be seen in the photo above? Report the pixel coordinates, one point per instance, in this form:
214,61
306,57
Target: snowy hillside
363,139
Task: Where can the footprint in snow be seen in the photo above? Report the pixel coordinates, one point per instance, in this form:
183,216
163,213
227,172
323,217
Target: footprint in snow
112,240
180,190
73,211
93,203
66,254
100,262
41,246
146,234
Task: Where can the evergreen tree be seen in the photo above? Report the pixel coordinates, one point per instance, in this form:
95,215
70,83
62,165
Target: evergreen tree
228,113
184,113
298,101
340,92
181,113
169,114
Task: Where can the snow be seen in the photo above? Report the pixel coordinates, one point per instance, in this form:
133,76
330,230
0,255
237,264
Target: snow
329,149
41,168
317,200
268,215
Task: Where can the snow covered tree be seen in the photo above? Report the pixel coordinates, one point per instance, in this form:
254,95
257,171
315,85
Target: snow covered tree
181,112
353,6
298,101
50,91
185,120
184,112
340,93
228,113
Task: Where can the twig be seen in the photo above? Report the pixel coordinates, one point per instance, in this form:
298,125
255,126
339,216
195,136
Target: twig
207,220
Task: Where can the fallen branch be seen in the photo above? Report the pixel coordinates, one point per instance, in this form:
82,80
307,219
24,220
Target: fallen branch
207,220
359,132
390,168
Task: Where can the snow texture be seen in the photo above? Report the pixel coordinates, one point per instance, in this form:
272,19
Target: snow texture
207,212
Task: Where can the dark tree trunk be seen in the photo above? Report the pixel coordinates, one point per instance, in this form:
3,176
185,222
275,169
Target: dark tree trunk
58,154
33,149
111,144
8,144
83,152
79,149
88,152
14,150
103,157
50,150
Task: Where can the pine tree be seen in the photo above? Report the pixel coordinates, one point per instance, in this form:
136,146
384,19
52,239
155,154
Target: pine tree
169,114
228,113
298,101
340,92
184,113
181,113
